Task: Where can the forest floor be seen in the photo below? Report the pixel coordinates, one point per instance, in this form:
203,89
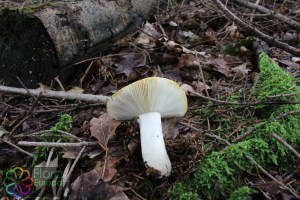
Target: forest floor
183,42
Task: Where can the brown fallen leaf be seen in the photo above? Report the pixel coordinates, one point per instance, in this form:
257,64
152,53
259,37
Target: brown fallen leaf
95,183
209,37
92,188
241,69
200,87
103,128
169,128
221,66
148,36
77,90
290,64
124,63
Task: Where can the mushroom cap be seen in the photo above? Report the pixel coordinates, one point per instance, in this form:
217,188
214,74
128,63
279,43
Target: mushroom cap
152,94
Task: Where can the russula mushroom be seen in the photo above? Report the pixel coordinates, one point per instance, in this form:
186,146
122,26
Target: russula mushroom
150,99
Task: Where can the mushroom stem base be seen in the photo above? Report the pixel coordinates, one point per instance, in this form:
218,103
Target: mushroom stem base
152,141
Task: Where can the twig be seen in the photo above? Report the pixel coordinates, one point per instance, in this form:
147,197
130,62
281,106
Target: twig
139,196
23,85
48,131
250,131
16,126
257,32
285,95
267,102
70,135
15,146
256,3
270,176
206,134
203,79
292,112
54,144
55,94
59,83
276,15
85,73
282,141
71,170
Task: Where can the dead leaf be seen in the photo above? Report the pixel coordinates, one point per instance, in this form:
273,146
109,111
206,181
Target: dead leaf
173,24
296,59
186,36
105,169
148,37
103,128
43,87
92,188
241,69
178,49
200,87
169,128
187,88
72,153
119,196
209,37
291,64
282,9
95,183
290,37
123,64
77,90
221,66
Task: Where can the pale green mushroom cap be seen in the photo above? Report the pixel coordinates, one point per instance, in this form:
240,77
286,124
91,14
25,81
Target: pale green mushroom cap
152,94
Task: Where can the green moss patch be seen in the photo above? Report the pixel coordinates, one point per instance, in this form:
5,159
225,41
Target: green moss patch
218,175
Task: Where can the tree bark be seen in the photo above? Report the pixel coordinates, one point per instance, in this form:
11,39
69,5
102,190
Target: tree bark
38,42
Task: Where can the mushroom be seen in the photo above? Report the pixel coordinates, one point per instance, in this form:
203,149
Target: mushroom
150,99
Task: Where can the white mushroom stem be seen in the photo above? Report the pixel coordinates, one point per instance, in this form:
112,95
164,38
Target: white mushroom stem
152,141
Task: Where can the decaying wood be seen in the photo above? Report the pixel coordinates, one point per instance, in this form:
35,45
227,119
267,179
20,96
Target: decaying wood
37,42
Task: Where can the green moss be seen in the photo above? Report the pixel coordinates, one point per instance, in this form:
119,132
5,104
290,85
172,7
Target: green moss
31,9
64,124
243,193
180,192
218,173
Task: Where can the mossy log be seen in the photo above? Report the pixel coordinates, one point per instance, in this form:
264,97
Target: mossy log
38,42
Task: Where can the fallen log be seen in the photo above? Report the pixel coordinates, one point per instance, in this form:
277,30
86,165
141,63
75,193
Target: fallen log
38,42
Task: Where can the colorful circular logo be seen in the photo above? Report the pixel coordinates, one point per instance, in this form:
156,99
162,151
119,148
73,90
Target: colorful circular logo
17,182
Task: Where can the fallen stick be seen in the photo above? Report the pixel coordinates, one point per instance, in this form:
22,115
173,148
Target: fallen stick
251,29
276,15
55,144
55,94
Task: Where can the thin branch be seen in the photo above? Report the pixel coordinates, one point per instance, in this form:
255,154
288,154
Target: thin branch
270,176
71,170
15,146
266,102
255,31
55,94
285,95
206,134
276,15
54,144
250,131
282,141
